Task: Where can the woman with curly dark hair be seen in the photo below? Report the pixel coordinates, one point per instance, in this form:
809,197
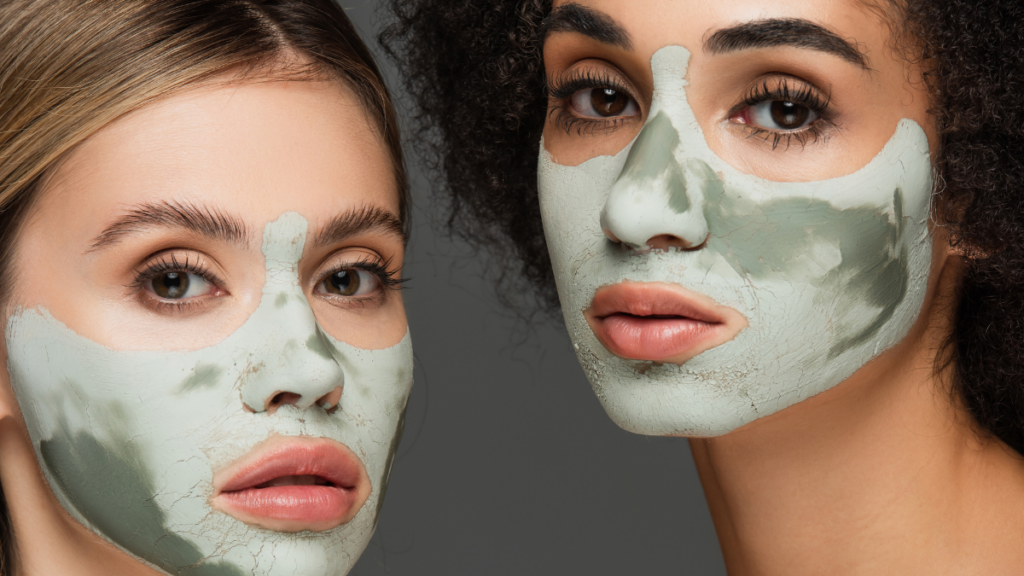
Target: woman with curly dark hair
791,231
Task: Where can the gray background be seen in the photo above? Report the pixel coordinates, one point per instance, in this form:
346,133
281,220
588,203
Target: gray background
509,464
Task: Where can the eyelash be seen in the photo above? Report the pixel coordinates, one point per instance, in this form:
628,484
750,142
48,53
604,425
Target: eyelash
170,263
561,89
806,95
382,270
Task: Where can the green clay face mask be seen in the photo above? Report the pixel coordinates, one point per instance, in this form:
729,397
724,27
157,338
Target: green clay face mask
827,274
129,441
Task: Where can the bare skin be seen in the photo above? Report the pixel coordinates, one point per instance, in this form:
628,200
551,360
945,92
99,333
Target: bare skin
252,150
885,473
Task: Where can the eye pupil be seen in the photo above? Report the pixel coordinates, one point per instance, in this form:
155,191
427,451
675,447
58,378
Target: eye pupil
608,102
789,115
171,285
343,282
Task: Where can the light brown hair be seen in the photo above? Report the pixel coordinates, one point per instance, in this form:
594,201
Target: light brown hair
69,67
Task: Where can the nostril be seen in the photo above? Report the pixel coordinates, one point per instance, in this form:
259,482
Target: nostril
329,402
285,398
281,399
667,241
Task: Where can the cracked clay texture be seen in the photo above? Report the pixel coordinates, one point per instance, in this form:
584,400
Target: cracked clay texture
828,274
129,440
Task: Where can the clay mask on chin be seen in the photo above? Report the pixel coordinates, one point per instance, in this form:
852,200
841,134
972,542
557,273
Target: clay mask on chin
828,274
129,441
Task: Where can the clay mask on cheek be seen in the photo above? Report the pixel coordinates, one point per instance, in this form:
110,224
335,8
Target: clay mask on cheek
828,274
129,441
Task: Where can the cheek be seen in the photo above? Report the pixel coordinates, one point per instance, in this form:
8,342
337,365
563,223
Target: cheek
826,283
568,148
110,485
375,327
129,440
571,200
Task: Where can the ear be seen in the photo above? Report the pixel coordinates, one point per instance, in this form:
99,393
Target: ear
8,403
944,241
965,250
947,260
9,408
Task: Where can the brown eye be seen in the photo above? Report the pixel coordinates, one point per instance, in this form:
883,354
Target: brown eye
608,102
603,103
778,116
167,281
349,282
343,282
789,116
171,285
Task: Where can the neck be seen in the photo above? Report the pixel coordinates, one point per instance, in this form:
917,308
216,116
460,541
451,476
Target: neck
883,474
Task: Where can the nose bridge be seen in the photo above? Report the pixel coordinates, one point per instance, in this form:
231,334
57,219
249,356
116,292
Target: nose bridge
660,191
289,354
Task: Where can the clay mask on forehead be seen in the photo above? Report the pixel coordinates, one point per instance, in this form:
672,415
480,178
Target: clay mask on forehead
129,441
828,274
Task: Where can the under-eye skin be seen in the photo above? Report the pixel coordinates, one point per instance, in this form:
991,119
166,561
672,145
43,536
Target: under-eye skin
586,101
783,110
360,283
169,285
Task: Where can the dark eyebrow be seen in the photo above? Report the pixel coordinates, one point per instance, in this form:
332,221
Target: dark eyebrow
592,23
357,221
774,32
203,220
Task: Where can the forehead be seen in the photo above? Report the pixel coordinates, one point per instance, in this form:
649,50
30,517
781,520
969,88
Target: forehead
257,148
653,24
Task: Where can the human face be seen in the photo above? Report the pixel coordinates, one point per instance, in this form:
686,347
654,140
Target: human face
205,338
736,199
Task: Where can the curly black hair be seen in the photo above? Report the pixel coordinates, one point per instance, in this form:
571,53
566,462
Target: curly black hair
476,71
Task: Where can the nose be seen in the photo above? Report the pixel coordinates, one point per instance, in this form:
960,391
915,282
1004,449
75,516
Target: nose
296,365
658,199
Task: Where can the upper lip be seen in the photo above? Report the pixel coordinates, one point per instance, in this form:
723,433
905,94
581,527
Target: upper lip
295,456
649,299
660,322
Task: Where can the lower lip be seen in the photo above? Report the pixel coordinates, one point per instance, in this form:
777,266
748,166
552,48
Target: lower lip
653,338
309,503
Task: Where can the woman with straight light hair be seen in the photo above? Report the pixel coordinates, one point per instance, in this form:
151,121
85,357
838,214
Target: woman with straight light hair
203,216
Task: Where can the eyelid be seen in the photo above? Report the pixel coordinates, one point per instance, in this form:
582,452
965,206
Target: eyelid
369,262
584,76
777,87
167,261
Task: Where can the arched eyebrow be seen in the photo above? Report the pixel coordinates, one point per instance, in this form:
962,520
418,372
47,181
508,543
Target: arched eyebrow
357,221
202,220
214,224
773,32
573,17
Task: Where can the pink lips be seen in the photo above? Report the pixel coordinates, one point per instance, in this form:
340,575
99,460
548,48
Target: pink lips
660,322
289,484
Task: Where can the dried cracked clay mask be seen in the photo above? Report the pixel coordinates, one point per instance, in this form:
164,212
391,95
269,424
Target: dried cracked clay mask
788,287
130,441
